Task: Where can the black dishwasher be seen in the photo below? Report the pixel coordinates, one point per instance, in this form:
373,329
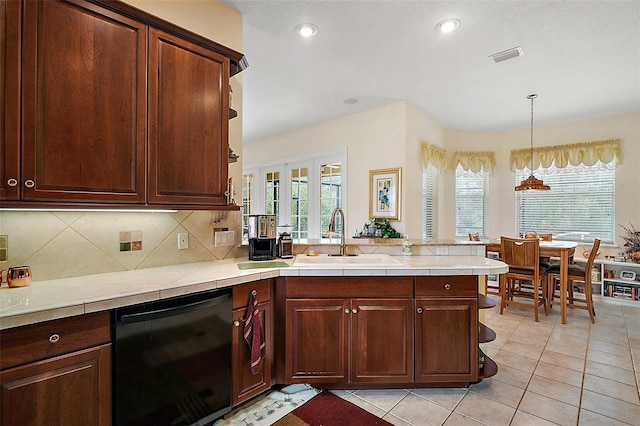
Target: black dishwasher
172,360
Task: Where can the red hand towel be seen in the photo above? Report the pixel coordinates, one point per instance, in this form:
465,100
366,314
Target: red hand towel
253,333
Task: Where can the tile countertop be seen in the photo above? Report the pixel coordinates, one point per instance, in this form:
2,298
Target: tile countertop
48,300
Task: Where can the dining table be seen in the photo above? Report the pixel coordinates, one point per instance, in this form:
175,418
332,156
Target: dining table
564,251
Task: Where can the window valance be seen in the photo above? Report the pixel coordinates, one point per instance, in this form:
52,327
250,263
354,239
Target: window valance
434,155
587,153
474,161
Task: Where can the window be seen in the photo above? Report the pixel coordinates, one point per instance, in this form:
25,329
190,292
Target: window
272,193
430,202
302,194
247,203
330,195
580,205
471,202
299,202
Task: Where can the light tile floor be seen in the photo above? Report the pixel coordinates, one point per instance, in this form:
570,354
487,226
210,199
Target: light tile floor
549,373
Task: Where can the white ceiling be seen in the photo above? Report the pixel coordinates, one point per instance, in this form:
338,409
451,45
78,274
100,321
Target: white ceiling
581,57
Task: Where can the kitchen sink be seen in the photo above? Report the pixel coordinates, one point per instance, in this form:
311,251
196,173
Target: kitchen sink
302,260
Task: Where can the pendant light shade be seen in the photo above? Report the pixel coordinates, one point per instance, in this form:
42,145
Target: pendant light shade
532,183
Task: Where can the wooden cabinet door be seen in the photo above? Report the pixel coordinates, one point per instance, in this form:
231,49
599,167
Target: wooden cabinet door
446,340
70,390
10,17
84,104
316,341
188,122
246,385
382,340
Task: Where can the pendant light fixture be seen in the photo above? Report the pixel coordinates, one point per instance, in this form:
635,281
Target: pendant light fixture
531,183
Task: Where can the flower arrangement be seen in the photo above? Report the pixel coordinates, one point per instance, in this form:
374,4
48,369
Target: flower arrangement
632,242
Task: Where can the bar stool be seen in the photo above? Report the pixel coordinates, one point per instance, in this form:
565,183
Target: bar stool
579,274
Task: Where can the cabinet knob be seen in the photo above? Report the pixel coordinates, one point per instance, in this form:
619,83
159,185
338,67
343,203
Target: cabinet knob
346,311
29,183
447,286
236,323
54,338
419,310
354,311
12,182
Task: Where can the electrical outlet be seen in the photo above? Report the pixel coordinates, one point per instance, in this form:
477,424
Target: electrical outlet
183,240
442,251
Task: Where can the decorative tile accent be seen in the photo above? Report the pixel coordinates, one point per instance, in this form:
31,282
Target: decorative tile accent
4,248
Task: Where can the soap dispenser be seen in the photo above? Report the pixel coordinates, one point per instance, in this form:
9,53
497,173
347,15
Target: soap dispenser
407,246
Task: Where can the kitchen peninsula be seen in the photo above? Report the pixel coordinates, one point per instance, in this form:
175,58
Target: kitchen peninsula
418,315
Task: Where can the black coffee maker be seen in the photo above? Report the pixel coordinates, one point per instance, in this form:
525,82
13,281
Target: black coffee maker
262,237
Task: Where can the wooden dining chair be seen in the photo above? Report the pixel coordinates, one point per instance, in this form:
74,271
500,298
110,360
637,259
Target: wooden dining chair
523,258
578,276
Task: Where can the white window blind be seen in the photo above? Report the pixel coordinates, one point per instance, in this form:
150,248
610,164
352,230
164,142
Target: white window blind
579,207
429,202
471,202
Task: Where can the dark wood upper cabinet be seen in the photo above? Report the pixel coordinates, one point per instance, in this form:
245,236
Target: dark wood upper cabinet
188,122
10,28
105,105
84,95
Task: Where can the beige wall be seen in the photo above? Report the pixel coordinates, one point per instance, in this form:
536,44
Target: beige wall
502,196
67,244
375,139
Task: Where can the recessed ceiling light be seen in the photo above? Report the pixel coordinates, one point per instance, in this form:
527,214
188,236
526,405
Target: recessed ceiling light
307,30
448,25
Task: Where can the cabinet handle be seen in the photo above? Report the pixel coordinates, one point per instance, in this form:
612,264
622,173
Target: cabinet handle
54,338
447,286
346,311
419,310
29,183
236,323
354,311
12,182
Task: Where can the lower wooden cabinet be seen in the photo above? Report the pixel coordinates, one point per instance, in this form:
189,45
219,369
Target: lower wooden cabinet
57,373
446,329
347,330
445,349
349,340
245,384
72,389
401,331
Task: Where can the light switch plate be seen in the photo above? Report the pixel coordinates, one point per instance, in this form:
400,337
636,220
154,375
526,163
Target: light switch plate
442,251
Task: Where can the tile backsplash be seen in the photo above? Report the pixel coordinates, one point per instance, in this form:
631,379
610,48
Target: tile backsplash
61,244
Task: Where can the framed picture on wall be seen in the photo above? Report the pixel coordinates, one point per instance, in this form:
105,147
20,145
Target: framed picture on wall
384,193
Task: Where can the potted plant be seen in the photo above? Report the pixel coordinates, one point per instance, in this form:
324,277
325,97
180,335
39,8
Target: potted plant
632,243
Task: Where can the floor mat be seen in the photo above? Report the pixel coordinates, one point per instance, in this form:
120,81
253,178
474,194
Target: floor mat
271,408
329,409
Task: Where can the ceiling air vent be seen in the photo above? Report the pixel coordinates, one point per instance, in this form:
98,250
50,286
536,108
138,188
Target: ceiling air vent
507,54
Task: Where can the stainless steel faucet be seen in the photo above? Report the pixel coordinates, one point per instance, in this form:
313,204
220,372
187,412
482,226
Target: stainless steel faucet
332,228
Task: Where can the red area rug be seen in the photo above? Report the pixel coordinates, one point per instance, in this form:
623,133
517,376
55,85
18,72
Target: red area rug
327,409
